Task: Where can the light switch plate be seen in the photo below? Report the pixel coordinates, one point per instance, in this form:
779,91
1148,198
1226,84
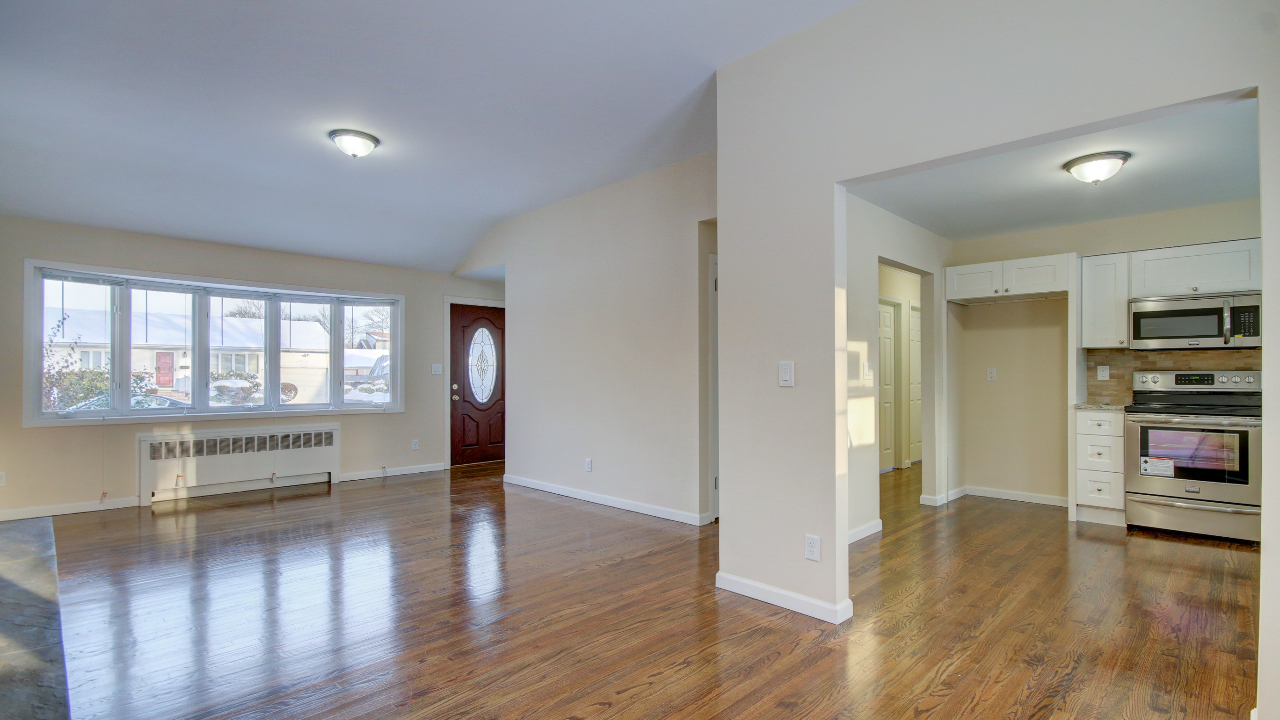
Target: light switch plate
437,369
813,548
1104,372
415,444
991,374
786,374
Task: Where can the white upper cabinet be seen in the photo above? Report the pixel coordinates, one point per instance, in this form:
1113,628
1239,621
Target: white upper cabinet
1196,269
974,281
995,280
1104,301
1036,275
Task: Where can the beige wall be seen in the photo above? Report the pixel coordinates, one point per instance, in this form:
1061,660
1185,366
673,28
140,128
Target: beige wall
899,284
59,466
1013,432
603,337
1207,223
886,86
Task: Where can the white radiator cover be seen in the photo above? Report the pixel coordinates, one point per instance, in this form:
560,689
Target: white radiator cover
169,463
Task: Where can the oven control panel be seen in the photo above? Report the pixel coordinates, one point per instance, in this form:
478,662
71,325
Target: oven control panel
1192,380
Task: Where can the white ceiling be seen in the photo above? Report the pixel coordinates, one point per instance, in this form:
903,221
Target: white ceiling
208,120
1197,158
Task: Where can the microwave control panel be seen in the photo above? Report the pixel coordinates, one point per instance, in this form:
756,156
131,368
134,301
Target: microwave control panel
1246,321
1192,380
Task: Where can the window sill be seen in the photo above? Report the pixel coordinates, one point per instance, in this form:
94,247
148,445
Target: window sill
158,418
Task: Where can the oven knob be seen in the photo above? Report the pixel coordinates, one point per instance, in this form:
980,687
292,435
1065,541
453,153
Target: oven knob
1155,378
1222,378
1248,378
1143,378
1235,378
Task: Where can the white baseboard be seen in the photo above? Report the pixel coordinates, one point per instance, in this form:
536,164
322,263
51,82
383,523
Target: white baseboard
802,604
1102,516
68,508
388,472
871,528
999,494
957,493
1253,714
615,502
933,500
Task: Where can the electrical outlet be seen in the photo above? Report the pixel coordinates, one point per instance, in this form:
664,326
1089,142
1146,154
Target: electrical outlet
437,369
1104,372
588,464
4,479
813,548
991,374
415,444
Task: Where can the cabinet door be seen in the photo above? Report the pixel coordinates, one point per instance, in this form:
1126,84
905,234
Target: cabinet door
974,281
1104,301
1036,275
1196,269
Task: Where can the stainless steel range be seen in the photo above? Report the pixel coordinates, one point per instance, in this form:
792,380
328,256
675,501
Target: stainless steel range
1193,452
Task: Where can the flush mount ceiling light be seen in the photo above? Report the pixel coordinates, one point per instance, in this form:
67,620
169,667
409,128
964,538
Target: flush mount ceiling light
1097,167
353,142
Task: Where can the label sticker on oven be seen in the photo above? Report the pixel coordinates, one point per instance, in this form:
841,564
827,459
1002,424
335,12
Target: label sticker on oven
1157,466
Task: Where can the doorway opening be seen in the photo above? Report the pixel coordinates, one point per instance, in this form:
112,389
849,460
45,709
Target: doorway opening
477,384
709,382
899,395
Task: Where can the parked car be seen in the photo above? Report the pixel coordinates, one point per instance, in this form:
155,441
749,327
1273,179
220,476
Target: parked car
102,402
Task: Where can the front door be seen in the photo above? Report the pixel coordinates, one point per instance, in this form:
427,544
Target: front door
477,384
164,369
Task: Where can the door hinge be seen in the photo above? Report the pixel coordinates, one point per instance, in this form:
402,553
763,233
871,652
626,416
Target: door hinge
717,482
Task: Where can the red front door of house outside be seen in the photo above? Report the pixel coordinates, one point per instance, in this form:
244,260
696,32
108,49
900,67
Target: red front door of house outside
477,383
164,369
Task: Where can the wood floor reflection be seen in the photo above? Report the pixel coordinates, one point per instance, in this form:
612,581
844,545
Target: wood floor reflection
444,596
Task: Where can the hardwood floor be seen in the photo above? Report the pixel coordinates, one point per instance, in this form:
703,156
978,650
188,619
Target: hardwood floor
442,596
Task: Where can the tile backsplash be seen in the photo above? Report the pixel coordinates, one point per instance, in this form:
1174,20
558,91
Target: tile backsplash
1123,363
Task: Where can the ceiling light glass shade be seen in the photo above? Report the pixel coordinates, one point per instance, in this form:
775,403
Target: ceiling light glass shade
1097,167
354,142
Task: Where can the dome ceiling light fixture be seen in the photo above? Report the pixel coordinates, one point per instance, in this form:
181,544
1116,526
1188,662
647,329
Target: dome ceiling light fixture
1097,167
353,142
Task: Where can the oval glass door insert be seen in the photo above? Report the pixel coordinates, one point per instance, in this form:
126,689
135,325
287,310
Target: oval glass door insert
482,365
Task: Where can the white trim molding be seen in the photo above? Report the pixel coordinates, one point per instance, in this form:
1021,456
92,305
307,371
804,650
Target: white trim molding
388,472
999,494
865,530
933,500
621,503
68,508
795,602
479,302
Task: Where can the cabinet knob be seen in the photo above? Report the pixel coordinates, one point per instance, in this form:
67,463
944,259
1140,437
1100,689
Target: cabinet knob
1006,289
1121,342
996,291
1193,287
1099,453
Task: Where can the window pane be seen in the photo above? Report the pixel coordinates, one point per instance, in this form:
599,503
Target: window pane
162,332
76,353
482,365
304,353
236,325
366,362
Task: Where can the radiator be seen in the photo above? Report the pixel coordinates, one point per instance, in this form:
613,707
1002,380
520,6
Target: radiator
172,465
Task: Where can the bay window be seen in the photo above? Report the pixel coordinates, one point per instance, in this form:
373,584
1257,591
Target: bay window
110,345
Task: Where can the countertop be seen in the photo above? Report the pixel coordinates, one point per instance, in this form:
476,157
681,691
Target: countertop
1098,406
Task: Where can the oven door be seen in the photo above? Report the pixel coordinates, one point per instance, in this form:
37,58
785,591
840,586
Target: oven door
1180,324
1213,459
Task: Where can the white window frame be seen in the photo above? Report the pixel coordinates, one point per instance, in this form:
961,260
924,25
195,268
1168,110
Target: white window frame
201,288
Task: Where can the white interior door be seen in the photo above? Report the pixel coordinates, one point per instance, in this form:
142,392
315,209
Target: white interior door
713,413
887,387
917,397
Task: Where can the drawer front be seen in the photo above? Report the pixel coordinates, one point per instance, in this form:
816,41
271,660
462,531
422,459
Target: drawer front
1099,423
1104,453
1100,489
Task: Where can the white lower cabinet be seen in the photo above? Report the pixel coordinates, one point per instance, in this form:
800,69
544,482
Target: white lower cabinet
1100,489
1104,453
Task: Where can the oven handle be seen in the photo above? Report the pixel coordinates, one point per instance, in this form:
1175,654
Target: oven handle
1189,506
1178,421
1226,322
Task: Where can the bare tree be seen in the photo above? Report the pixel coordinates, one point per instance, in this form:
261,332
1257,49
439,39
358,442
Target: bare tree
248,309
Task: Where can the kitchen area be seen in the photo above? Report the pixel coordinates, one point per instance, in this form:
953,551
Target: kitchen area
1166,429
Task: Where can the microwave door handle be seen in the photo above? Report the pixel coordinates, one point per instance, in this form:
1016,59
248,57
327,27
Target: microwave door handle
1226,322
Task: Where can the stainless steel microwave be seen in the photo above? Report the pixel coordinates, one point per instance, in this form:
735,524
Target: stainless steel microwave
1222,321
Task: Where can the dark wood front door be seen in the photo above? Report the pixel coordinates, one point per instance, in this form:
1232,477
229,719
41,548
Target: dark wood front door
478,384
